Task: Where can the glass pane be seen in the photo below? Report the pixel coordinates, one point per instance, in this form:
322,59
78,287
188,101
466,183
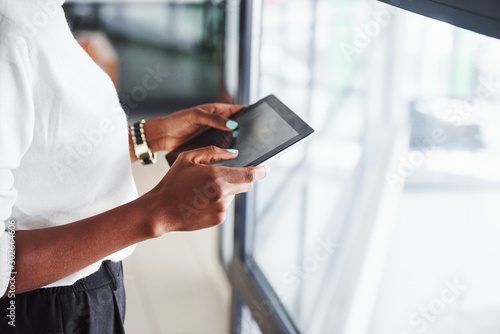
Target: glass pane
352,69
441,274
301,209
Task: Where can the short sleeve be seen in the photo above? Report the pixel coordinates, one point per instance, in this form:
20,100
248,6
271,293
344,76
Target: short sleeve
16,131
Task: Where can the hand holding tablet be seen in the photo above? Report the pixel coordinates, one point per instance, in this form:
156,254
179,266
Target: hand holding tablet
265,129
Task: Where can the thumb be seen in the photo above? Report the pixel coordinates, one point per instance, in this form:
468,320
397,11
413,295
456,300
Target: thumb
215,121
206,155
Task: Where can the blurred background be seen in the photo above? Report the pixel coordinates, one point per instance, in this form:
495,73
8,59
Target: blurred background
387,221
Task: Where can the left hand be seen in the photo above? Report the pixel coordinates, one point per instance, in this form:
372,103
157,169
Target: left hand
169,132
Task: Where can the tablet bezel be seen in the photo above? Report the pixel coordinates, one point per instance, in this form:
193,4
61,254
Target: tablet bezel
302,128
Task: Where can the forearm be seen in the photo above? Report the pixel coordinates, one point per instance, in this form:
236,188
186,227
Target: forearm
46,255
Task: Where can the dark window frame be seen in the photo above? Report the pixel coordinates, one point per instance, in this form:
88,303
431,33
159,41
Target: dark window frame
482,16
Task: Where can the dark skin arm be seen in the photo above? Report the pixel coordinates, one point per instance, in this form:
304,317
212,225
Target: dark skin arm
46,255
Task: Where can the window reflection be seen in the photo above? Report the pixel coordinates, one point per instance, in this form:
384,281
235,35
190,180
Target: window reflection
436,89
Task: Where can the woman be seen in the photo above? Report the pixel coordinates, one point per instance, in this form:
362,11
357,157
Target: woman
66,186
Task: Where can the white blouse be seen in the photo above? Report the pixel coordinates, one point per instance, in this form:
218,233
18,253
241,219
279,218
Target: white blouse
63,134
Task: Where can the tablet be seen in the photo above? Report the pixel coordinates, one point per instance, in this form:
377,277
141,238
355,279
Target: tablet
265,129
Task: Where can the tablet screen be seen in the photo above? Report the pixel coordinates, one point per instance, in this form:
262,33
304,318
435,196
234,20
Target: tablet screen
259,132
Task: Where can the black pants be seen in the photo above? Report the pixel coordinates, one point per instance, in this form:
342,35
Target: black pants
94,304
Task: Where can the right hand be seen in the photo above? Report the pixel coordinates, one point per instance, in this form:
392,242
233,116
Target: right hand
193,195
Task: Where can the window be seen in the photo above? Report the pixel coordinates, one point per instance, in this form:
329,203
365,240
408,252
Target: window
387,221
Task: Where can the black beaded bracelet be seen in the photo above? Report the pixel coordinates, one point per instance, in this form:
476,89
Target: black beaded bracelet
141,148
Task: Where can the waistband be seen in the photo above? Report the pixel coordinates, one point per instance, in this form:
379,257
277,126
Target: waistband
108,273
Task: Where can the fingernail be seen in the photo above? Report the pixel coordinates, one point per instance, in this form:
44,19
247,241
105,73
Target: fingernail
231,125
232,150
236,133
268,168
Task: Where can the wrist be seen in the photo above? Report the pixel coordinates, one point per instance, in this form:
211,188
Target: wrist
153,133
155,222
